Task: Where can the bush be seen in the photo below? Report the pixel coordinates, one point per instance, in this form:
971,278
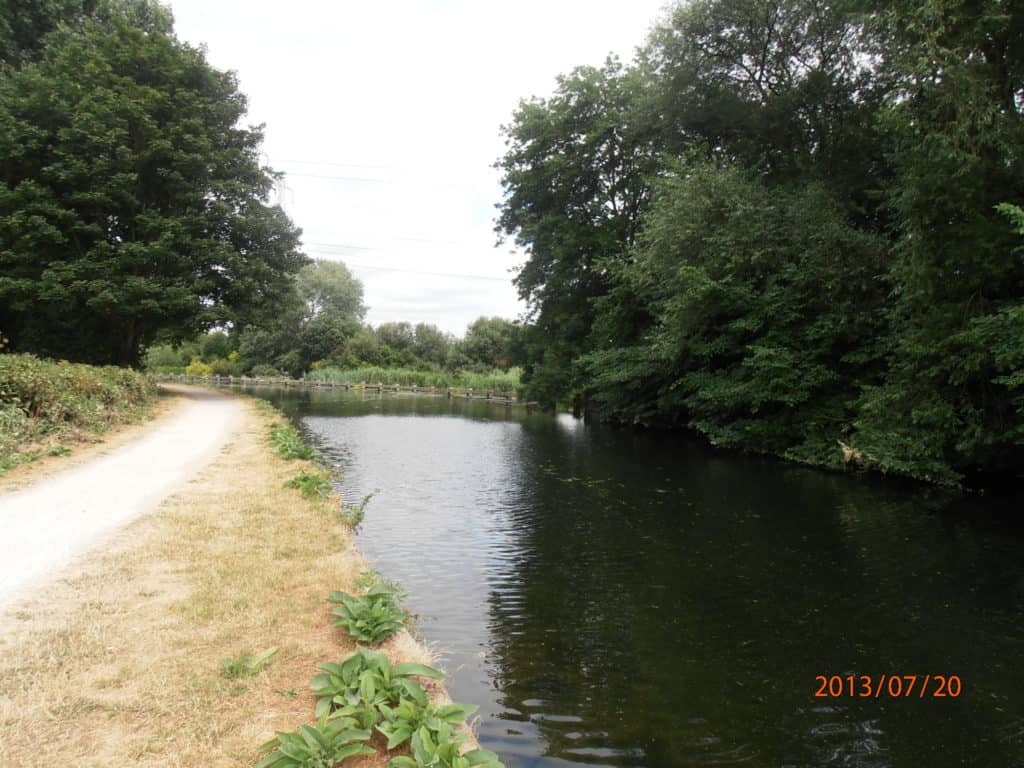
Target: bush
40,399
198,368
263,371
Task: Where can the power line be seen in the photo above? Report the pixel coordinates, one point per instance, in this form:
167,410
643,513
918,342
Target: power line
462,276
338,165
352,246
366,180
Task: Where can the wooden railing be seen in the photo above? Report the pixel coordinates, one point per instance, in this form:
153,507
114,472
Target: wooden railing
468,393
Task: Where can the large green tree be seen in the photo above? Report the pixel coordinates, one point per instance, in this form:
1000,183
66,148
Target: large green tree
575,179
490,342
955,134
317,314
132,202
824,244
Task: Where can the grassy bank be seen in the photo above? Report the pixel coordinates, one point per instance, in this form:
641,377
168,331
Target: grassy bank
497,380
45,407
149,654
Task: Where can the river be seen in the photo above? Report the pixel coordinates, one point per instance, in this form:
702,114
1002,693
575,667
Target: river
611,597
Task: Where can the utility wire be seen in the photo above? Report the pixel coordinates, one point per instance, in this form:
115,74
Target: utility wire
367,180
354,247
462,276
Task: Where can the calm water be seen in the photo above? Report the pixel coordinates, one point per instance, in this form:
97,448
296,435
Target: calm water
636,599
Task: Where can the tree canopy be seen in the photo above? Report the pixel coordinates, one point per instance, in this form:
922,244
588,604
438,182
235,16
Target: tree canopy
788,224
133,204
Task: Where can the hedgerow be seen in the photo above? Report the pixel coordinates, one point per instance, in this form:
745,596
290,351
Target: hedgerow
44,402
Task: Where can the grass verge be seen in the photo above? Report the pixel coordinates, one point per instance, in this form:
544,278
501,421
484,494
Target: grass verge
121,661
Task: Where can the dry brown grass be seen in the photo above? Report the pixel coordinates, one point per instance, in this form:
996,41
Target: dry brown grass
118,663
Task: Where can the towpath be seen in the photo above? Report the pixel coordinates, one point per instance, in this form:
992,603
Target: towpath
45,526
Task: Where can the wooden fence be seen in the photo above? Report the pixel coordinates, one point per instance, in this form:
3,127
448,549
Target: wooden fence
469,393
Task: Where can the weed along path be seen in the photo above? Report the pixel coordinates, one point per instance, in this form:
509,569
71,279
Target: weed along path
49,523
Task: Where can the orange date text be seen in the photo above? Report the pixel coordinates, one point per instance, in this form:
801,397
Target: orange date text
888,686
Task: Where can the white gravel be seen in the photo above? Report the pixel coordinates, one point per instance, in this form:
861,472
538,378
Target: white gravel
43,527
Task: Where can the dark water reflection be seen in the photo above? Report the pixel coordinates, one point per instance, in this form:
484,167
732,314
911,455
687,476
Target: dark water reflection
616,598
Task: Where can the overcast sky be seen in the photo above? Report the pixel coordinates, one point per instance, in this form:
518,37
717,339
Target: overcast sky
386,117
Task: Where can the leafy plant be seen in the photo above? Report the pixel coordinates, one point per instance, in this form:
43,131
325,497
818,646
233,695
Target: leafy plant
324,745
370,618
353,515
442,748
311,485
356,686
289,443
247,664
400,721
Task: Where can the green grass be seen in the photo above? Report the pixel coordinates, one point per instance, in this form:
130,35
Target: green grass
45,403
496,380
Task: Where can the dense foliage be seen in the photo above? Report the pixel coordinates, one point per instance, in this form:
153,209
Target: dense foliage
319,334
44,404
132,203
793,225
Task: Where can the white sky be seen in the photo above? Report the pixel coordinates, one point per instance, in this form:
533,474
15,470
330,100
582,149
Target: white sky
386,116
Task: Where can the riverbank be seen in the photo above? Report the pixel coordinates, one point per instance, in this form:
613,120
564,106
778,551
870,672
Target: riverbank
120,661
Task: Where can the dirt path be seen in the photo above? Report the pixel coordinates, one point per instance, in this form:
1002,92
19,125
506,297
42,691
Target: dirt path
49,523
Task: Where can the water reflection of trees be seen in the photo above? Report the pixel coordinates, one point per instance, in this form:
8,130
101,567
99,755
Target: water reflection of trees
669,606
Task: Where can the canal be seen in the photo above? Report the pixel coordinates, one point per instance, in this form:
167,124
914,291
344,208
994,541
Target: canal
612,597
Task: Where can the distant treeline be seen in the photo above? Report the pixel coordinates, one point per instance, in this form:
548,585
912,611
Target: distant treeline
792,225
319,331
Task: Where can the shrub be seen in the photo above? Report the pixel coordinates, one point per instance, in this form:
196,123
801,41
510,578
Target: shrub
198,368
41,400
370,618
263,371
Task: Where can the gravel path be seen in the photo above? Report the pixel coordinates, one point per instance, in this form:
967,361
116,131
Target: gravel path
44,526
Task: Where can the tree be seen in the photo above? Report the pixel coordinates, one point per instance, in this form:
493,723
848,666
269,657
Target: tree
431,344
575,180
397,341
131,203
787,86
489,341
329,288
24,25
955,135
364,348
766,307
